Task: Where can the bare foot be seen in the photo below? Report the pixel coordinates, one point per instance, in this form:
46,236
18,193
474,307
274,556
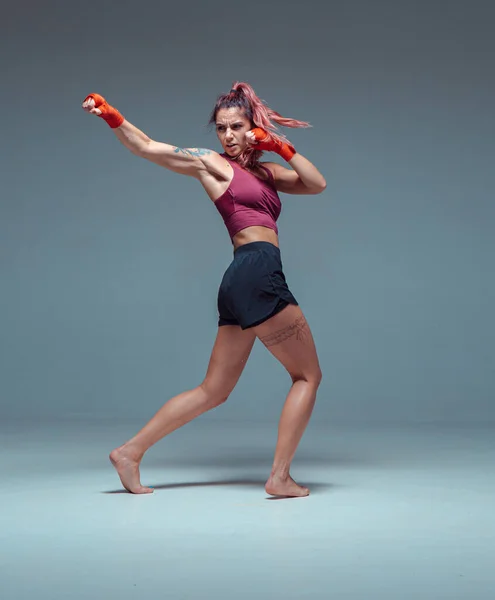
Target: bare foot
285,487
128,470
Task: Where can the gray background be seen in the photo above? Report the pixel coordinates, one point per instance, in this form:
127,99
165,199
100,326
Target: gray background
110,265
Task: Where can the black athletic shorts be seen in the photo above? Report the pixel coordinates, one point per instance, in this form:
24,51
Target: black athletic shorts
253,288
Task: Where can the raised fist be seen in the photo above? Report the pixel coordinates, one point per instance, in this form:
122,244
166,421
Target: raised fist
97,105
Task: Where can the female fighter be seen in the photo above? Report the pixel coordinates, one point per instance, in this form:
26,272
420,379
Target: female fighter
254,300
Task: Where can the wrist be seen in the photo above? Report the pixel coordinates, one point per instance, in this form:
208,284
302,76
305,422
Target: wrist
113,117
287,151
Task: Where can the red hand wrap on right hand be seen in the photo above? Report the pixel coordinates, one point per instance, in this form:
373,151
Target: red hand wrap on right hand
110,114
266,142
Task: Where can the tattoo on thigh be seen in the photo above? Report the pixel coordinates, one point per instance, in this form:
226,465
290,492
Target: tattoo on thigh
297,328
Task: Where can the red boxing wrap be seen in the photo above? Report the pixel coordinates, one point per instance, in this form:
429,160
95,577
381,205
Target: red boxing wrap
108,113
266,142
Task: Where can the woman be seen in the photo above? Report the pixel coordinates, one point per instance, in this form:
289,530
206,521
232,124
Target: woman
254,300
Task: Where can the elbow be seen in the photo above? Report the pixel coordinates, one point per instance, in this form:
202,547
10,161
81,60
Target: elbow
319,187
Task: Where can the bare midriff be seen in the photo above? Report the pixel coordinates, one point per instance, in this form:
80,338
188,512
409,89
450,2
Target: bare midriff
255,233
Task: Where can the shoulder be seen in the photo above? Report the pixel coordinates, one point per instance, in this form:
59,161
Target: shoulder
271,166
286,180
214,164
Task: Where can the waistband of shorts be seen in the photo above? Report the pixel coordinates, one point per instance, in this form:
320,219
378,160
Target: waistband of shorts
255,247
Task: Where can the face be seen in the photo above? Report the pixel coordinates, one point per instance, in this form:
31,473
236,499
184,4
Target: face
232,126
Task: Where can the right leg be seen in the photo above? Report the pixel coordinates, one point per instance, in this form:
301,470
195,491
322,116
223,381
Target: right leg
288,337
229,356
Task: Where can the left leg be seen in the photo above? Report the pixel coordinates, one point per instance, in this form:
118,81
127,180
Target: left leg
288,337
228,359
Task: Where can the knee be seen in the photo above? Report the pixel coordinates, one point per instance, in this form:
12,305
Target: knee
313,378
212,396
218,399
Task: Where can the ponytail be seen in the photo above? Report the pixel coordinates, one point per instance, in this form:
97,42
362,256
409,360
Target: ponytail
243,96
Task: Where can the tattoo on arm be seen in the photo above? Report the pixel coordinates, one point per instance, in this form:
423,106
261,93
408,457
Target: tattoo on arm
297,328
192,151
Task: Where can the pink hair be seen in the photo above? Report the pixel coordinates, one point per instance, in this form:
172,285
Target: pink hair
243,96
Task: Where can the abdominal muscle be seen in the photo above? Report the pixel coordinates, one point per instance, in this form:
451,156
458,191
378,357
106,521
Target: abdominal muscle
255,233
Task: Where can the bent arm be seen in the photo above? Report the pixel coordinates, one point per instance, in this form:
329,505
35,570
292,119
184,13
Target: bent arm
303,178
186,161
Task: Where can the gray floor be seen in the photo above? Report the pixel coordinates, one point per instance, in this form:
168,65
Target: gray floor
395,513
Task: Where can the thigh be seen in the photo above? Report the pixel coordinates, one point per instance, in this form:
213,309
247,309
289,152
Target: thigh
288,337
228,358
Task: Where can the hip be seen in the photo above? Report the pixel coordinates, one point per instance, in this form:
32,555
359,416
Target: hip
253,263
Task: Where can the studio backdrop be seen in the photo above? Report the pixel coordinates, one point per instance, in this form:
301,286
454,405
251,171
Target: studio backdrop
110,265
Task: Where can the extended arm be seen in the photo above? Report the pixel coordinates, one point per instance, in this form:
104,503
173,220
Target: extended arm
187,161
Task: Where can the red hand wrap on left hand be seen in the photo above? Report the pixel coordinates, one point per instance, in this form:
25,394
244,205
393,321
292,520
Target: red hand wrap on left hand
266,142
108,113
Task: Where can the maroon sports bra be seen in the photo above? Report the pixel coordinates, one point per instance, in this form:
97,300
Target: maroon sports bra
249,201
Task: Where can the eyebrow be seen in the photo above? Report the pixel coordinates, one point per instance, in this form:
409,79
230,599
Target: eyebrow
234,123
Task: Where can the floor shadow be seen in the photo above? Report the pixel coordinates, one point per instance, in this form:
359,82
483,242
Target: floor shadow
252,460
250,483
